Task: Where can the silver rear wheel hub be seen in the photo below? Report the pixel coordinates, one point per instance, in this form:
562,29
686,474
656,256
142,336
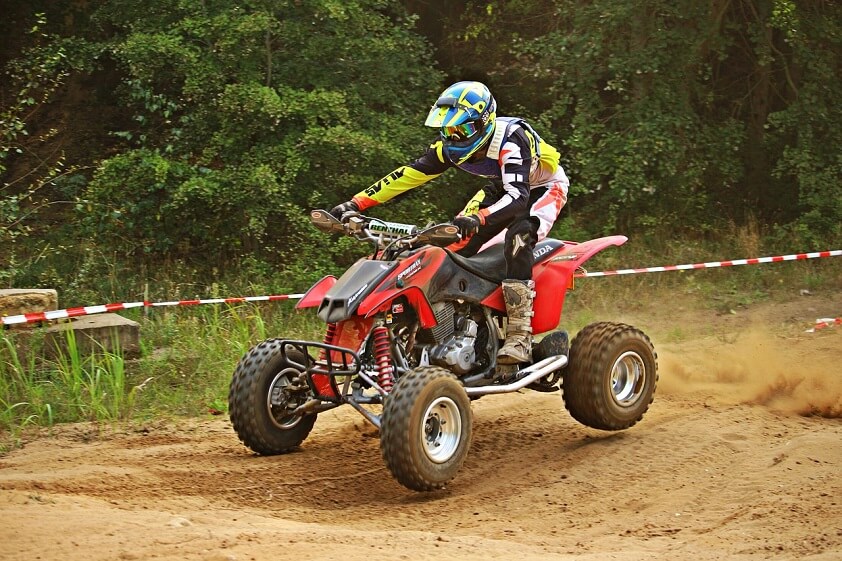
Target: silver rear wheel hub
628,377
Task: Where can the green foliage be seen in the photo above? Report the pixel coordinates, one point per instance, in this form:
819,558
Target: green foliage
247,116
234,119
682,124
35,76
807,134
32,80
678,115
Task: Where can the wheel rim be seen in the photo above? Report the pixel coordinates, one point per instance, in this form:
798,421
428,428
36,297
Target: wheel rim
441,430
628,377
277,399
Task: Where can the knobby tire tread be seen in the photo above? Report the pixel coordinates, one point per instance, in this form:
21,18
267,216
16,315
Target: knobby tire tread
251,420
396,441
584,384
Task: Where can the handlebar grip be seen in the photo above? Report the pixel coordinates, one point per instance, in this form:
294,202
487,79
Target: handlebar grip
440,235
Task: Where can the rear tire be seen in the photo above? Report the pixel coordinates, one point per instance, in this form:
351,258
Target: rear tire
612,375
261,396
425,428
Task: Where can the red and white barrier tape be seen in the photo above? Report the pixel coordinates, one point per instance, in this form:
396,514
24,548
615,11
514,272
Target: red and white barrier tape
714,264
90,310
821,323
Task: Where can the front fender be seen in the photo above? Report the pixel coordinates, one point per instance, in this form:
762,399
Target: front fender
313,297
412,279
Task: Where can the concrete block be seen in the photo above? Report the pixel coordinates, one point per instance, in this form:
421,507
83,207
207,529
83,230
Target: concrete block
17,301
108,332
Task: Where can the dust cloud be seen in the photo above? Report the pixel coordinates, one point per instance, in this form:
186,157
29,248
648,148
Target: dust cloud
796,375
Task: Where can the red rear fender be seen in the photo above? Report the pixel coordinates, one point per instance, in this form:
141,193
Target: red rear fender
585,250
553,277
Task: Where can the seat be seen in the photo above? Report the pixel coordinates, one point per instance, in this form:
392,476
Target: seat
490,264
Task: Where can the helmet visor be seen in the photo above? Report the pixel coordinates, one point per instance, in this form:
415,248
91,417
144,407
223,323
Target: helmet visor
460,132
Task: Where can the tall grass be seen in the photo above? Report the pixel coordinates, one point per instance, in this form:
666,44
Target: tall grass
190,353
71,387
22,400
187,357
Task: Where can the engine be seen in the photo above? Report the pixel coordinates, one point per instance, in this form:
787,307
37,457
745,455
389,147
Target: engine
456,337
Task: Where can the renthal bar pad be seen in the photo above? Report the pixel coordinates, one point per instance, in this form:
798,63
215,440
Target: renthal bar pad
376,225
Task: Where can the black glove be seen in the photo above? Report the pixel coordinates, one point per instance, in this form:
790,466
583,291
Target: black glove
467,225
340,210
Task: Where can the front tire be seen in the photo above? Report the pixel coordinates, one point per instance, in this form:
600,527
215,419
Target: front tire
264,390
611,378
426,428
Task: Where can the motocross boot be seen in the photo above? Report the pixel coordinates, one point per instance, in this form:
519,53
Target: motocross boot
518,295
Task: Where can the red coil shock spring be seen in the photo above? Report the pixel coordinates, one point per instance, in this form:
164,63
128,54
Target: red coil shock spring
383,358
330,335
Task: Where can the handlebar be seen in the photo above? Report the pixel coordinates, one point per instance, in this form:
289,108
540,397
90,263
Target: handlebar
386,233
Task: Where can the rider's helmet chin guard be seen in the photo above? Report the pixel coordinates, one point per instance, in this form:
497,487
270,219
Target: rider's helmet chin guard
464,114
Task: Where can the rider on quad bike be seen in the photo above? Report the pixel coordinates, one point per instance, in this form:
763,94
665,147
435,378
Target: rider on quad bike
527,191
415,329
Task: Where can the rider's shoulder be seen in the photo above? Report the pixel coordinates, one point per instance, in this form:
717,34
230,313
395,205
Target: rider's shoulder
435,152
508,130
514,127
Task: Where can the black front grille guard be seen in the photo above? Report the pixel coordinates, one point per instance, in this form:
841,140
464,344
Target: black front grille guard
348,364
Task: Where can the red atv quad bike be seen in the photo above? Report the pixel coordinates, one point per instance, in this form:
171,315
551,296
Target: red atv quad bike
412,337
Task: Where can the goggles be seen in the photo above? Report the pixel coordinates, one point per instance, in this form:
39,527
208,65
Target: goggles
460,132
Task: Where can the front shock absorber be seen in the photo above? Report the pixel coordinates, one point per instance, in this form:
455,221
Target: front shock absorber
383,358
322,381
330,336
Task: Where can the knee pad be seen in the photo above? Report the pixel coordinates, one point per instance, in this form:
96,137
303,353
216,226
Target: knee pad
521,238
522,234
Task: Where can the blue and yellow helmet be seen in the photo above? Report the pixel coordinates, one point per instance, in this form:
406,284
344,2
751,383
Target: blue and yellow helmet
464,114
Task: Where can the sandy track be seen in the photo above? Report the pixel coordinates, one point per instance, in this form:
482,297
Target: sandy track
738,457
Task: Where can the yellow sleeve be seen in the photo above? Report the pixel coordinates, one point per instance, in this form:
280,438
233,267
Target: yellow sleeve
473,205
549,158
399,181
426,168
